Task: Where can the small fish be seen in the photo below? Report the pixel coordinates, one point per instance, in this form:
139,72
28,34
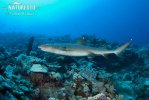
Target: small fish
80,50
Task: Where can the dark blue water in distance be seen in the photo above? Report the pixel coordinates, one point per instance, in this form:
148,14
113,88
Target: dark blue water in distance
114,20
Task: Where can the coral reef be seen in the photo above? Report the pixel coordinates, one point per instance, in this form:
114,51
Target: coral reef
14,86
37,75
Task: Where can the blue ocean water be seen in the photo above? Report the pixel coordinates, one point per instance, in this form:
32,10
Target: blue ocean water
40,59
117,20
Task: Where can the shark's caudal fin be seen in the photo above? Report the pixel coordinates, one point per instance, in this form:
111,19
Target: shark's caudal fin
122,48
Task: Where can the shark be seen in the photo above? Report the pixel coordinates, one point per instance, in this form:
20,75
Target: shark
78,50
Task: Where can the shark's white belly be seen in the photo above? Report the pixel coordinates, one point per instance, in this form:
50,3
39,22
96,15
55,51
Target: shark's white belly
71,53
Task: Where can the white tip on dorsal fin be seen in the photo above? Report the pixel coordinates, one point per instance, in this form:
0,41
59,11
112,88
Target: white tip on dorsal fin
81,40
122,48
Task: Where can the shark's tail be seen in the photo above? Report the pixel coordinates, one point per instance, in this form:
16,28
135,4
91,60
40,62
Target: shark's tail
122,48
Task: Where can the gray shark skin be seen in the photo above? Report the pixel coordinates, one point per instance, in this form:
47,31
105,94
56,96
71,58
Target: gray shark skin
80,50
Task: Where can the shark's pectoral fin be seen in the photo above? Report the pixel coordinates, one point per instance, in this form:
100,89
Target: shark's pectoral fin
64,48
91,54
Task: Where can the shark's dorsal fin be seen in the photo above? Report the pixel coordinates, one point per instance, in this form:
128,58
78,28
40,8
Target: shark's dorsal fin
81,40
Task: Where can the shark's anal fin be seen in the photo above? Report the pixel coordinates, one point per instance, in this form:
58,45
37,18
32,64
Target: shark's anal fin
122,48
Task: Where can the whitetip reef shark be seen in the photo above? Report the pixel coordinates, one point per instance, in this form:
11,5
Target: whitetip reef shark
80,50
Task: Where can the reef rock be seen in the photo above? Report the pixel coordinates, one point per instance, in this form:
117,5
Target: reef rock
2,49
126,88
146,83
38,73
57,76
99,96
39,68
77,77
27,61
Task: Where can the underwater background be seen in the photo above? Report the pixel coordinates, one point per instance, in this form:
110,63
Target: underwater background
113,20
28,73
